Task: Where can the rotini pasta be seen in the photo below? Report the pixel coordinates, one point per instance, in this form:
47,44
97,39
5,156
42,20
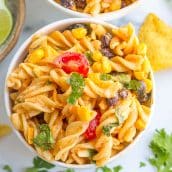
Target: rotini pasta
82,98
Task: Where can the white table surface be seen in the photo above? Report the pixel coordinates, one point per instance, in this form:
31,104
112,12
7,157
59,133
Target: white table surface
40,13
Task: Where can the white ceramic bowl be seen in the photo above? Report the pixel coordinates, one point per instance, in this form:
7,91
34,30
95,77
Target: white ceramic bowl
19,57
103,16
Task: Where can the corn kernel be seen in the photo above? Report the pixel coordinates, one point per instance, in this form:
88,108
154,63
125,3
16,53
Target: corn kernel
115,5
149,86
94,76
140,125
106,66
97,56
97,67
139,75
36,56
79,33
84,114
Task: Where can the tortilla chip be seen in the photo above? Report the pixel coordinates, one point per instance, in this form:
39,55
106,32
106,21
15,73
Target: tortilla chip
4,130
158,37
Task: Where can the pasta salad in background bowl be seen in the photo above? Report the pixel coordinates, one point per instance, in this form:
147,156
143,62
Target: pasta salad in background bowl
80,92
103,10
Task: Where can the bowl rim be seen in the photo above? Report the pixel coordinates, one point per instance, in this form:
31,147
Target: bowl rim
102,16
18,26
19,56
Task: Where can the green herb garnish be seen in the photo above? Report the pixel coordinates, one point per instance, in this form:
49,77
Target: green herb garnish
117,168
88,55
39,165
107,169
133,85
161,146
77,83
142,164
122,78
107,128
105,77
70,170
7,168
44,139
33,169
104,169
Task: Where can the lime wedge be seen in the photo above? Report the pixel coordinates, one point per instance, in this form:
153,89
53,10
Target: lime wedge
5,22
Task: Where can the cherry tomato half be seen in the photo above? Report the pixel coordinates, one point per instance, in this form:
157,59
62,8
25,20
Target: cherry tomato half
73,62
91,130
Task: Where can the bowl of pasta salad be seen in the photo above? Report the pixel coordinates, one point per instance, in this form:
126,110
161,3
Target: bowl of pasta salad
80,92
103,10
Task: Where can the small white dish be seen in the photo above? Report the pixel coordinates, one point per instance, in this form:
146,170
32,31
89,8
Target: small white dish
20,56
103,16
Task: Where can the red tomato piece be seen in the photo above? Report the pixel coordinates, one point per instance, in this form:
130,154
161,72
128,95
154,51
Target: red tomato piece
73,62
91,130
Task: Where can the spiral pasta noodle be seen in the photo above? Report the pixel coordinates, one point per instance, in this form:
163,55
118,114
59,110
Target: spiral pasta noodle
95,7
73,132
82,94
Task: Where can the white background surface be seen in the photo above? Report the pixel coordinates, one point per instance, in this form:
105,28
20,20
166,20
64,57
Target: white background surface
40,13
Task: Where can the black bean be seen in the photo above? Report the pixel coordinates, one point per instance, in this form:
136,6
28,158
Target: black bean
123,93
40,118
141,93
68,3
113,101
105,40
142,88
80,3
143,98
107,52
59,91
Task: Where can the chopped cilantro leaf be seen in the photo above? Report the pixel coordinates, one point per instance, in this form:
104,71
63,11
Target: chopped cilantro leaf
122,77
7,168
105,77
142,164
107,169
32,169
104,169
44,139
117,168
77,83
70,170
133,85
161,146
107,128
39,165
88,55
